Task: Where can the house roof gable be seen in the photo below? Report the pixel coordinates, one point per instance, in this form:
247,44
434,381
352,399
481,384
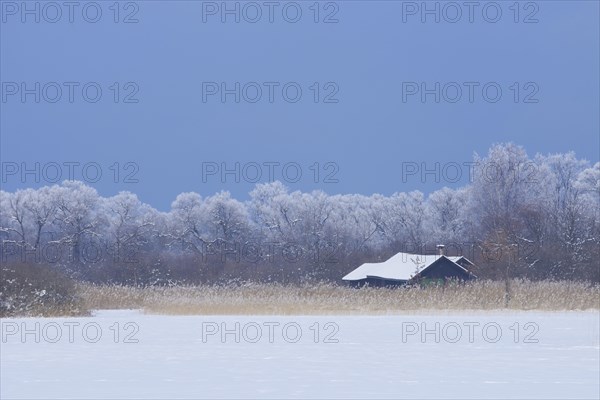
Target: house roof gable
400,267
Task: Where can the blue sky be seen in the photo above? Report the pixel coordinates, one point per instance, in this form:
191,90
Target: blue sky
368,58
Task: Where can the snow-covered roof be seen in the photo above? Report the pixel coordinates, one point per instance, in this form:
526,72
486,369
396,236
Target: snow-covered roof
401,267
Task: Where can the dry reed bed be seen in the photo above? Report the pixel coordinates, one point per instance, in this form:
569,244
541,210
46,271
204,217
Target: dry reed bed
276,299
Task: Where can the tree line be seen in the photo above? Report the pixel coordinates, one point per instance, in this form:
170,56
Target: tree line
520,216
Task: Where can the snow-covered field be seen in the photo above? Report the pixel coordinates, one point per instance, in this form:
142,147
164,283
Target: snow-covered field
126,354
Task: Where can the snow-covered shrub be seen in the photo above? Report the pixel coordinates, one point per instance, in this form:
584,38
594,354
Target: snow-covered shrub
37,290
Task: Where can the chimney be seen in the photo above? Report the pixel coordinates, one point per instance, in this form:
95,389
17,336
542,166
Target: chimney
440,248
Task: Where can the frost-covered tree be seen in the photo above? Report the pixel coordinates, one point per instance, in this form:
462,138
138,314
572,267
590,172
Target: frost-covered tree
503,183
446,215
78,216
13,216
350,219
226,218
42,204
129,225
564,212
185,223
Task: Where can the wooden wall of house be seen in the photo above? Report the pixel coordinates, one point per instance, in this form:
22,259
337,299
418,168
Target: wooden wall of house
444,268
376,282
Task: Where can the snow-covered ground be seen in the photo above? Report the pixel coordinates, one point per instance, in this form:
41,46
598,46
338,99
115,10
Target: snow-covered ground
122,354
